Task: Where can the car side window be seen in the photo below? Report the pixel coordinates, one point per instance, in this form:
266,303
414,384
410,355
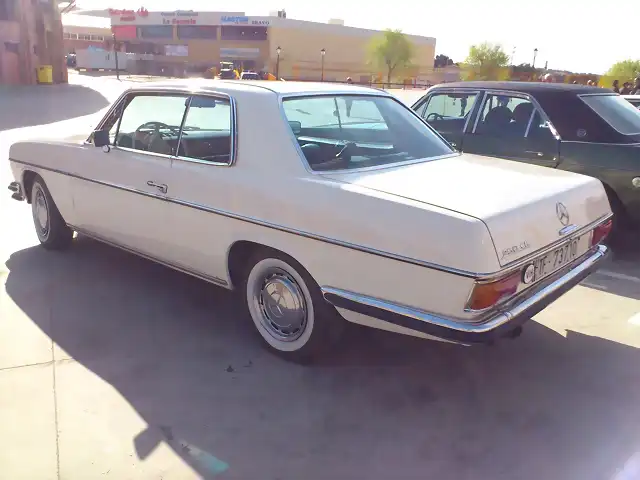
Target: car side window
505,116
448,111
151,123
206,134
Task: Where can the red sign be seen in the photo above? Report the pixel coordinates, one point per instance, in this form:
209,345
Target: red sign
128,15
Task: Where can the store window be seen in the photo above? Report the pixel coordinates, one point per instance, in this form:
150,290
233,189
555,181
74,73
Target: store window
244,33
197,31
156,31
144,48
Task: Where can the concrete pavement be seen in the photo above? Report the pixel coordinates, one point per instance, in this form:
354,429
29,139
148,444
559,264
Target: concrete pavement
114,367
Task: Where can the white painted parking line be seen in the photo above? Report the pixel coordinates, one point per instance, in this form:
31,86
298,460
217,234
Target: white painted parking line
618,276
595,285
635,319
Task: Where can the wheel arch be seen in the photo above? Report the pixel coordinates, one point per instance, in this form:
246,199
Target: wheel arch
240,251
28,177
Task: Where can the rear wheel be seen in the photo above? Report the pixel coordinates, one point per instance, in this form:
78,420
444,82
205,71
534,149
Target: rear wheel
52,231
287,308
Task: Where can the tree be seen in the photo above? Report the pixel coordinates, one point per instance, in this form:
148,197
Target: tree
442,61
392,51
624,71
486,62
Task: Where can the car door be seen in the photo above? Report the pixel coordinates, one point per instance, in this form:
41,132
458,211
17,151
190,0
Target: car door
510,125
449,112
120,191
204,188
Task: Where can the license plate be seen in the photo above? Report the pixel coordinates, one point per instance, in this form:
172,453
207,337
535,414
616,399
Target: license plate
559,257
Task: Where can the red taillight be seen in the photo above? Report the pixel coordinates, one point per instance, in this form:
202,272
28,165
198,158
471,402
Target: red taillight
601,232
485,295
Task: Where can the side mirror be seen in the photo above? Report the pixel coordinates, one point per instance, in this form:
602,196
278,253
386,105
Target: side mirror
101,138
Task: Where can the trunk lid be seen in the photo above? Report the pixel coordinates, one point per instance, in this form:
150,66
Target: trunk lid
525,207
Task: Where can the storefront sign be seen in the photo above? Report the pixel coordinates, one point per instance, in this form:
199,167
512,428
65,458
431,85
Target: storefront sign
229,20
240,53
179,21
176,50
128,15
261,23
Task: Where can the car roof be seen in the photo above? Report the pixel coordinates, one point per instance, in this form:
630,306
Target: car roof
262,86
528,87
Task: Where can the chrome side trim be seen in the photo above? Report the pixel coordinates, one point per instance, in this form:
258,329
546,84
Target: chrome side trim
637,144
361,248
207,278
520,308
263,223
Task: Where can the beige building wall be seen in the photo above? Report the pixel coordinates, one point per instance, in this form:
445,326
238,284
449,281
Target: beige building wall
346,49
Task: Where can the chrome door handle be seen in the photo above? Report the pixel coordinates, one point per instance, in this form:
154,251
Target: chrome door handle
539,154
160,186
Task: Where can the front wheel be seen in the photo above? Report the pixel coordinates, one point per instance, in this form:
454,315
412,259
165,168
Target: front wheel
288,310
52,231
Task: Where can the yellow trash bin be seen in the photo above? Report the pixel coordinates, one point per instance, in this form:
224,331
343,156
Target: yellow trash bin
45,74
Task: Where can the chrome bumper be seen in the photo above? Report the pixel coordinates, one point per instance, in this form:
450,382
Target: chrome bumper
499,324
16,188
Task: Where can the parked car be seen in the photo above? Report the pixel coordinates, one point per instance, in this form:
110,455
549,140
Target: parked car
633,100
318,216
249,76
577,128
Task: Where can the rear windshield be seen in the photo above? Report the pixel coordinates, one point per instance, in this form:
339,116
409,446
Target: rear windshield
616,111
344,132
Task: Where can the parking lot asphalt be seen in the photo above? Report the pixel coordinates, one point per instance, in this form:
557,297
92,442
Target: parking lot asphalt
114,367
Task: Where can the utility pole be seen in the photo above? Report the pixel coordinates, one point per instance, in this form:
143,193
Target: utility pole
535,54
115,52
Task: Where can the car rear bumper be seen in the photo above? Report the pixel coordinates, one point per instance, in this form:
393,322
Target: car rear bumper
16,188
499,324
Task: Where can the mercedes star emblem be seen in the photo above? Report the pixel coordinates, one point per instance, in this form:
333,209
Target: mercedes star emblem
563,213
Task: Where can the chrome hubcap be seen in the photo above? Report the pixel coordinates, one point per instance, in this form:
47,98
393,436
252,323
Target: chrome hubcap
41,212
282,305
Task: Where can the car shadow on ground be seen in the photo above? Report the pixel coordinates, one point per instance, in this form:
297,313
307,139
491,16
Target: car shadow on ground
622,268
29,105
383,406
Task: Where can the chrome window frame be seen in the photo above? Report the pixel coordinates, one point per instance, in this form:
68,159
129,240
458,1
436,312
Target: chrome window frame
188,94
606,94
523,95
283,97
424,101
232,128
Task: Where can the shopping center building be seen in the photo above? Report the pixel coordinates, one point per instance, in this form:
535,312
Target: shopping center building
30,38
307,50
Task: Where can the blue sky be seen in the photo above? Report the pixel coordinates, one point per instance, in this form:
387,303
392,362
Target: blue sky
585,36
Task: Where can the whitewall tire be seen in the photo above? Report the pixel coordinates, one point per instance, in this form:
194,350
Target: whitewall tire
53,233
287,308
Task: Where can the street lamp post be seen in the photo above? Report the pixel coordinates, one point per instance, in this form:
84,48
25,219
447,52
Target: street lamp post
535,54
115,52
278,50
322,54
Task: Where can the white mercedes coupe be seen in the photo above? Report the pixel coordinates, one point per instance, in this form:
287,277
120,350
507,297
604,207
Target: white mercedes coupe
320,203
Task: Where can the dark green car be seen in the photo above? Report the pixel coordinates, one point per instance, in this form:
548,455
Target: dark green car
582,129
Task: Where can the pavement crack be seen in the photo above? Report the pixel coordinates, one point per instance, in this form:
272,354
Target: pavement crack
55,397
